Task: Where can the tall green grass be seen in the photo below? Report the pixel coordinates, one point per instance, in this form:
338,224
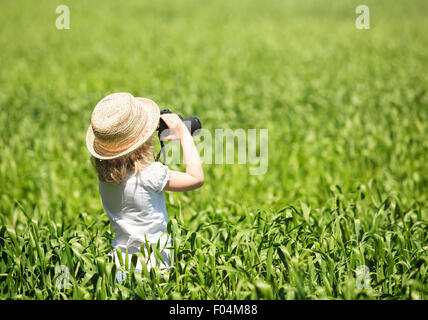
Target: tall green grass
347,113
283,252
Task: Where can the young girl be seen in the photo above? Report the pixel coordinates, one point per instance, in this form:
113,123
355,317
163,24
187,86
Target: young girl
130,184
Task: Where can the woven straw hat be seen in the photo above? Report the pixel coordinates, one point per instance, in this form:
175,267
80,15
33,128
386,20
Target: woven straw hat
120,124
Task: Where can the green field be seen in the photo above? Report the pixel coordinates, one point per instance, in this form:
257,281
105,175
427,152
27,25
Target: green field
347,112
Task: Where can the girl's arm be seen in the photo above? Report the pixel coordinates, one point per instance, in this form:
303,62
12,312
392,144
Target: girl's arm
193,178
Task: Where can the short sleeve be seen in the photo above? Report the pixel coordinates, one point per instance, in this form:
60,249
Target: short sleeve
155,176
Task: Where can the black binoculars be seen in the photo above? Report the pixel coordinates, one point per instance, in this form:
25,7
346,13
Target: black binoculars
193,124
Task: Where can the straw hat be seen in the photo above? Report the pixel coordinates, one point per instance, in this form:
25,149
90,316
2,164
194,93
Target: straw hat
120,124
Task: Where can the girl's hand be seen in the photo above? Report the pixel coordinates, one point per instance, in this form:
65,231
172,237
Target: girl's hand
176,127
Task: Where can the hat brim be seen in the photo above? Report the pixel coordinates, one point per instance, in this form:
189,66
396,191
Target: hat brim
153,115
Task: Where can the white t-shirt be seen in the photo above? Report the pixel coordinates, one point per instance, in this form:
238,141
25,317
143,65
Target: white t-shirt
137,210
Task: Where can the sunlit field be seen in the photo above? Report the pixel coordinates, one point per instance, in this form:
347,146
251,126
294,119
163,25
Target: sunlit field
342,210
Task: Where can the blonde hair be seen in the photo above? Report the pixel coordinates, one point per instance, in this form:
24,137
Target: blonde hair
115,170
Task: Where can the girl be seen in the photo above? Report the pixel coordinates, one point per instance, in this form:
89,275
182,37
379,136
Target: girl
130,184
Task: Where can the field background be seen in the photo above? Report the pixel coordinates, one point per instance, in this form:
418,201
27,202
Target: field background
347,113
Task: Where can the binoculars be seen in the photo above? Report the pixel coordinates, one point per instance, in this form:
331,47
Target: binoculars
193,124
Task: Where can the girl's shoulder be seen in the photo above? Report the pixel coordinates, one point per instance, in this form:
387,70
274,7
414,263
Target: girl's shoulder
154,176
156,165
